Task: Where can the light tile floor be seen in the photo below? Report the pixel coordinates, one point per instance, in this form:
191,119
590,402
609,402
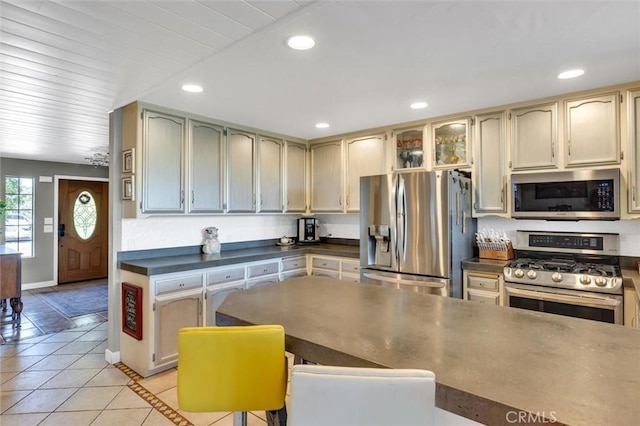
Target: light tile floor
63,379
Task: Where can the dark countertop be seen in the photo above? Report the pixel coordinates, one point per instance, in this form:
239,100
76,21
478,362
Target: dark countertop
488,360
485,265
187,262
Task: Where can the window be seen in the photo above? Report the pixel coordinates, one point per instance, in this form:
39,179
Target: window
18,218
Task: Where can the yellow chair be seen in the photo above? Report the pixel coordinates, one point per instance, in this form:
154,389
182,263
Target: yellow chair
237,369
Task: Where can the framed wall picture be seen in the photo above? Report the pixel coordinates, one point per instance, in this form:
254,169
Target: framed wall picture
128,160
132,310
128,188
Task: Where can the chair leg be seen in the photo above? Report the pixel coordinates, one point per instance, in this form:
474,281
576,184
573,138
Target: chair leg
239,418
277,417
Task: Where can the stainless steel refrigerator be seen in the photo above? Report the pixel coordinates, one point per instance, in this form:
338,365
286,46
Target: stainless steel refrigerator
415,229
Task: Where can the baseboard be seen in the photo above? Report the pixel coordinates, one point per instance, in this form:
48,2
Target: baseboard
111,357
41,284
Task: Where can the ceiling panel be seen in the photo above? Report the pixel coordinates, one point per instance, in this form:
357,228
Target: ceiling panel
65,64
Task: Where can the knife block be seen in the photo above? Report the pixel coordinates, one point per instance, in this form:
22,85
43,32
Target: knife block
507,254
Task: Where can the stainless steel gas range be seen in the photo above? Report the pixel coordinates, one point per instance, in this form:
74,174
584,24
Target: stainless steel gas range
571,274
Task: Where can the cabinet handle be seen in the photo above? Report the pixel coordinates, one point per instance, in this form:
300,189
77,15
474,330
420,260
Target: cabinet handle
569,146
502,195
254,200
182,197
261,200
553,150
340,200
193,197
348,200
633,194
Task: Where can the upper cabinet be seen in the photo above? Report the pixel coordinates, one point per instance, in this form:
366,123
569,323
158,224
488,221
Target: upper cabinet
451,142
206,143
591,131
162,150
326,177
296,177
365,157
241,192
489,163
409,148
270,154
534,133
633,185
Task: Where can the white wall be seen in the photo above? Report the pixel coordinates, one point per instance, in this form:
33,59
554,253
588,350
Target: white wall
179,231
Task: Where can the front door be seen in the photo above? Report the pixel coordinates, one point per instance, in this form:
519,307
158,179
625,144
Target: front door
83,236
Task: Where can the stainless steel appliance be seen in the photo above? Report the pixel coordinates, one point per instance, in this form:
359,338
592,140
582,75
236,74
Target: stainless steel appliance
415,229
308,230
571,274
567,195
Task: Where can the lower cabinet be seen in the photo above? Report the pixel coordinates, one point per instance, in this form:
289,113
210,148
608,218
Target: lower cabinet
483,287
322,266
631,308
173,312
293,267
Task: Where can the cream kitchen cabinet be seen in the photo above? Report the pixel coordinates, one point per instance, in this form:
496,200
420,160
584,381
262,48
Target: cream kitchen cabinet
451,143
534,137
408,146
293,267
633,184
483,287
323,266
592,134
206,179
296,177
270,155
241,182
169,302
631,308
489,164
365,157
263,273
221,282
162,151
350,270
327,177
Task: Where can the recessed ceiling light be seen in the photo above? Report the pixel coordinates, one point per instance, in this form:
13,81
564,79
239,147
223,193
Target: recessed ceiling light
192,88
418,105
301,42
570,74
322,125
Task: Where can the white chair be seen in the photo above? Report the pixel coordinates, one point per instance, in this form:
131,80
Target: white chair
348,396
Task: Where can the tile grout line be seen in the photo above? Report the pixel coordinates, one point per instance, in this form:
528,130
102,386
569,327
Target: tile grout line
149,397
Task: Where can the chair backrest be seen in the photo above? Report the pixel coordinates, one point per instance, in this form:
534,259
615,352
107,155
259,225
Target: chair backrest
325,395
231,368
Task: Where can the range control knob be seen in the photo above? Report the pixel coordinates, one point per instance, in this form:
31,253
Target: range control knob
532,275
556,277
585,279
519,273
601,281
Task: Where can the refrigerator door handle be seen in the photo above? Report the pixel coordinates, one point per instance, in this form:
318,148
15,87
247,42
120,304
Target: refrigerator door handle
401,281
401,221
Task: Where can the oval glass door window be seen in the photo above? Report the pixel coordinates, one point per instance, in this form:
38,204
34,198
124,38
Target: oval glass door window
85,215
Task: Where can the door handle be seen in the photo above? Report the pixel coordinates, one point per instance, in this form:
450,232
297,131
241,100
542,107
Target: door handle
61,229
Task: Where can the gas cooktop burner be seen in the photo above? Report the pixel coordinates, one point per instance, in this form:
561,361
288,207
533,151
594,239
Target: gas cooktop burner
565,273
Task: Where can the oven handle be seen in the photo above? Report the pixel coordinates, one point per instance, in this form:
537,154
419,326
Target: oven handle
556,297
406,282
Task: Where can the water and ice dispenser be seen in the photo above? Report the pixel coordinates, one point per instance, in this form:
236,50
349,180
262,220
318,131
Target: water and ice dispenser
379,245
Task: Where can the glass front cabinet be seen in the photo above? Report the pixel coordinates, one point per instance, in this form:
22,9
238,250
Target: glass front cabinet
451,143
409,148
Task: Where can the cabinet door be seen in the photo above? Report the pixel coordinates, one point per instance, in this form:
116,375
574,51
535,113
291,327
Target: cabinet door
241,194
409,149
451,144
534,136
592,131
205,171
296,177
326,177
483,297
163,147
365,157
173,313
489,169
633,99
270,154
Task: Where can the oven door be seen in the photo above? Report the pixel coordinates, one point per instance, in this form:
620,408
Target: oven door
577,304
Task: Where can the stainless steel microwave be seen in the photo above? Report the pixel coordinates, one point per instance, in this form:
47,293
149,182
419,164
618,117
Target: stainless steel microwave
567,195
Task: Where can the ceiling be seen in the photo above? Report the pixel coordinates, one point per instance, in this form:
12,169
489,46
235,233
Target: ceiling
65,64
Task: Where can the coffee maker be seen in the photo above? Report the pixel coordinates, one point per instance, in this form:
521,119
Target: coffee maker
308,230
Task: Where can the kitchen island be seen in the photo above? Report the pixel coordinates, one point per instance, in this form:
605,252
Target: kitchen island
493,364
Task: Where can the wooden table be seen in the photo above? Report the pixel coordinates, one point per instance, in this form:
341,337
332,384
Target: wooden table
11,282
492,363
